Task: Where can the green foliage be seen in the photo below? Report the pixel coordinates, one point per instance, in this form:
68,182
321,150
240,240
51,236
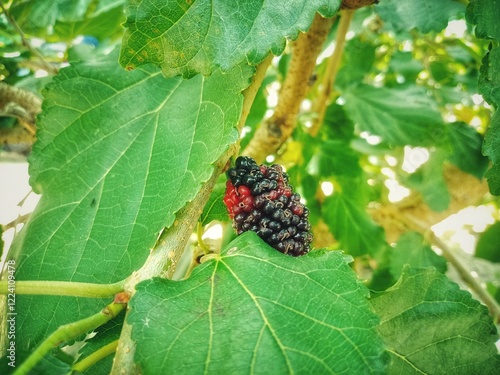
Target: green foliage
129,140
196,37
258,311
417,327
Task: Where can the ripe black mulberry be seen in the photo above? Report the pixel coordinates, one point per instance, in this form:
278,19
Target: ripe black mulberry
259,198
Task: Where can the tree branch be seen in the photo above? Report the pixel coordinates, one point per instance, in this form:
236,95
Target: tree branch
274,131
69,332
324,91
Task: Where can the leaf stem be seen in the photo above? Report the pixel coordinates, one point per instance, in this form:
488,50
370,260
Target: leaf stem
332,68
68,332
273,132
63,288
95,357
199,235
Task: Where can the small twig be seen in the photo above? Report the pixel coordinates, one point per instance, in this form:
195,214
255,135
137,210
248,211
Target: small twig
48,67
19,220
462,270
273,132
332,68
64,288
69,332
199,235
95,357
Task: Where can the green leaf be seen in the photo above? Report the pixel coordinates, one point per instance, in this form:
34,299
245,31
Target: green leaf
399,116
489,79
338,158
102,26
429,181
430,326
466,143
104,335
195,37
115,159
255,310
215,208
358,60
487,245
485,14
493,177
491,148
351,225
32,15
413,251
425,15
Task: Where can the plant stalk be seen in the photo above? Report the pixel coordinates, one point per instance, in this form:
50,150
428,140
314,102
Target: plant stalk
332,68
273,132
68,332
63,288
95,357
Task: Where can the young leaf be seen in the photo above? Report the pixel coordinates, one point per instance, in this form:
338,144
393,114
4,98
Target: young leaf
118,154
195,37
430,326
413,251
255,310
466,155
487,246
351,225
425,15
215,208
429,181
380,111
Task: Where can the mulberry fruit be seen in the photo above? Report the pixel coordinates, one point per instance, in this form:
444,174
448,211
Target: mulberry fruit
259,198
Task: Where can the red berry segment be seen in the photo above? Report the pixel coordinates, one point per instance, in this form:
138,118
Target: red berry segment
260,199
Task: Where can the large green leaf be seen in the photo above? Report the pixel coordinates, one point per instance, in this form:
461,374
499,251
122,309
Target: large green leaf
254,310
430,326
118,154
424,15
351,225
399,116
485,14
189,37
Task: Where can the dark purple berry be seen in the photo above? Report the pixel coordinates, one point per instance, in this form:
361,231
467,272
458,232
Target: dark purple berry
259,198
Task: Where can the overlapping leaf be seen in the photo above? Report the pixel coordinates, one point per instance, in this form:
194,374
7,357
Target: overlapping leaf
189,37
412,250
485,14
118,154
425,15
399,116
432,327
351,225
254,310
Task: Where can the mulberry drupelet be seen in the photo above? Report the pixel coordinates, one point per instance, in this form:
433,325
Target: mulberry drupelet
260,199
